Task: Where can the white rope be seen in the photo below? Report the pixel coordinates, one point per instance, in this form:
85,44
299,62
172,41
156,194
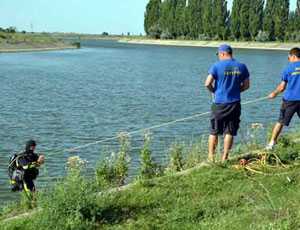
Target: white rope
154,127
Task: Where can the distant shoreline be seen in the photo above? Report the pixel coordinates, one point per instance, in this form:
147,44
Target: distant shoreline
14,42
24,50
213,44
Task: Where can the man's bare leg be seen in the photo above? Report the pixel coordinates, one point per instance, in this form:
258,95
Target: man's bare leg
275,134
228,142
212,145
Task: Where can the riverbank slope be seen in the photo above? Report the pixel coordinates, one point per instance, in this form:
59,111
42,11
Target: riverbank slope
27,42
260,194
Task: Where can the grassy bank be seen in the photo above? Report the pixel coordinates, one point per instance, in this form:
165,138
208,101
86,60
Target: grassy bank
262,194
21,42
195,43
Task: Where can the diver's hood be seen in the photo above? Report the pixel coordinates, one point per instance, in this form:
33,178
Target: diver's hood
29,144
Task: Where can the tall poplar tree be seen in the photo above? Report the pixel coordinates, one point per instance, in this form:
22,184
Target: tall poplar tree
207,20
167,18
269,24
256,17
244,15
281,17
235,19
220,19
152,16
180,19
195,13
297,17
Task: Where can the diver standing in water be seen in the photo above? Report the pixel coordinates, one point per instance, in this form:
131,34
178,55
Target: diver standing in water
23,169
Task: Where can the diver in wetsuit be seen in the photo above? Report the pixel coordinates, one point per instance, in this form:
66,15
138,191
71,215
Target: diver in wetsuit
27,163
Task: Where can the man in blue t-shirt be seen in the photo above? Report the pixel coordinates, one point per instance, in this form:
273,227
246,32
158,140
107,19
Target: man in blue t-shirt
290,83
226,80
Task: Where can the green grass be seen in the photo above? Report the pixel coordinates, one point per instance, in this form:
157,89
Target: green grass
30,40
208,198
212,197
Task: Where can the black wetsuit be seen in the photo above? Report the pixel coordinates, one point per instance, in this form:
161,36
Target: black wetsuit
28,162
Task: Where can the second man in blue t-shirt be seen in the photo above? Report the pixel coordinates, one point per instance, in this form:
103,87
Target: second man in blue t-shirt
290,84
226,80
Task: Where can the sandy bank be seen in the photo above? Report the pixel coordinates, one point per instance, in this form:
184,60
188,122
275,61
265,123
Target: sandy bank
239,45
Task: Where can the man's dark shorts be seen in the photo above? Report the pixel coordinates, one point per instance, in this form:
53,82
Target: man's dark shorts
288,110
225,118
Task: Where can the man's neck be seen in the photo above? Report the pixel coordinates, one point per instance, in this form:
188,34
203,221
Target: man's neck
226,58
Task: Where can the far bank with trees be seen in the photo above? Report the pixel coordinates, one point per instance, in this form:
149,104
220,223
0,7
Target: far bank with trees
248,20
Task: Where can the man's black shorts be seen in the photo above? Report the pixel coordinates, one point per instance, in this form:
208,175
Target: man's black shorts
225,118
288,110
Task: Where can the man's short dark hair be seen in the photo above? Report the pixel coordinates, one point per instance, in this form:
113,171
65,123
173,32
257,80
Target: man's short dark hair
295,52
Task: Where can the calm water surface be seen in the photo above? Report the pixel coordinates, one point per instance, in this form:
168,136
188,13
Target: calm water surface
68,98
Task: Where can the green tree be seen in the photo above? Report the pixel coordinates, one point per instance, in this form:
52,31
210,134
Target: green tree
187,22
291,26
172,17
235,20
292,32
152,15
297,17
220,19
245,22
163,21
269,24
207,19
180,18
256,17
281,17
195,18
167,19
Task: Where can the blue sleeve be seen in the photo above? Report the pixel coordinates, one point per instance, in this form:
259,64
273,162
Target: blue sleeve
285,75
246,74
213,71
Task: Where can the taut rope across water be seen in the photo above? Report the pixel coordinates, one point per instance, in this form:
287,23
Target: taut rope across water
155,127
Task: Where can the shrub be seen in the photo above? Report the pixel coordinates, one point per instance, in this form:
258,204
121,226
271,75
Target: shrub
69,204
155,31
262,36
166,35
105,176
113,171
176,158
75,163
148,168
203,37
286,150
294,36
197,152
122,162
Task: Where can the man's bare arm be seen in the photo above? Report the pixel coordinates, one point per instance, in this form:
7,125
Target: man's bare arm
245,85
209,83
280,88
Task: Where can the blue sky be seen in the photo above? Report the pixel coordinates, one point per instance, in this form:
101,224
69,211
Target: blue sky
85,16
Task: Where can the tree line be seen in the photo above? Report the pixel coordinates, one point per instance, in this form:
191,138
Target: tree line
248,20
10,29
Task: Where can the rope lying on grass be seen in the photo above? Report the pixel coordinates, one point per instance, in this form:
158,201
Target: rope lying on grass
258,164
155,127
